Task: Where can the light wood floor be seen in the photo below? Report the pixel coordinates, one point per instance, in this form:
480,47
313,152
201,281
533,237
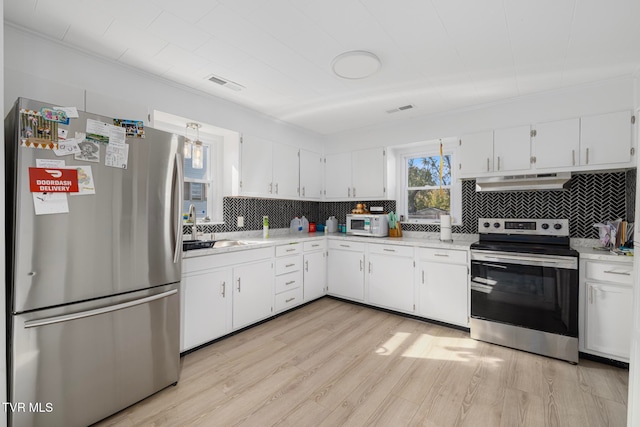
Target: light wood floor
332,363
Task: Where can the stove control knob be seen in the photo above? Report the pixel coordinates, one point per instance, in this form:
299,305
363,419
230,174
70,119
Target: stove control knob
496,224
557,226
545,226
486,225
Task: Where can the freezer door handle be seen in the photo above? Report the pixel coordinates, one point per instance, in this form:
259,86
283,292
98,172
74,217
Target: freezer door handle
74,316
178,210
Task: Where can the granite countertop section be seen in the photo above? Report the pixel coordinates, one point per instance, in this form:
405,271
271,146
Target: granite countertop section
415,239
585,248
254,240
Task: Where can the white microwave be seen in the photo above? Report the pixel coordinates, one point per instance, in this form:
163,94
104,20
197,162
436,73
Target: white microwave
368,225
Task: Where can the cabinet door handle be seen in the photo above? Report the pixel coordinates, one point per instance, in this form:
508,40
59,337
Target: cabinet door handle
289,299
276,188
573,157
345,246
289,265
290,282
423,277
354,191
349,192
498,162
388,250
315,245
271,188
621,273
587,156
303,192
442,255
290,250
487,164
369,267
590,294
360,264
224,288
306,266
238,284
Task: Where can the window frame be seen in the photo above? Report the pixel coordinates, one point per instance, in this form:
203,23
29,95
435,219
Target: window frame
209,179
429,149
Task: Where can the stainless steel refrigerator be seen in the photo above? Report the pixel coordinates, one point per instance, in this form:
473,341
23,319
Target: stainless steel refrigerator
92,293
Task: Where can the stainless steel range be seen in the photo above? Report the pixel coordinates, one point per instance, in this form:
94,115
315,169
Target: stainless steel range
524,286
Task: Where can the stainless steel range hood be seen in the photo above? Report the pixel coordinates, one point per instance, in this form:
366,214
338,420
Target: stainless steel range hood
547,181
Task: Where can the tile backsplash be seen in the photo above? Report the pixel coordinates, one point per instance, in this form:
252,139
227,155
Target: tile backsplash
593,197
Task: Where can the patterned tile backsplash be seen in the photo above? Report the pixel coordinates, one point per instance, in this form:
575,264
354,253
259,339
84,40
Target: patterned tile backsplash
593,197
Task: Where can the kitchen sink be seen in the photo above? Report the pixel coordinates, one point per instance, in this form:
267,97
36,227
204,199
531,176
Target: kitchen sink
227,243
189,245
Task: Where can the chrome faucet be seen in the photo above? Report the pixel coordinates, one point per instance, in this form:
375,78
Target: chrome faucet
194,227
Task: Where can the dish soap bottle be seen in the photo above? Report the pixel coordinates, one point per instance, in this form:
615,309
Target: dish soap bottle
265,227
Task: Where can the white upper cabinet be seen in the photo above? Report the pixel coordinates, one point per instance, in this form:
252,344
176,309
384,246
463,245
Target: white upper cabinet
359,174
310,175
256,166
285,171
476,153
512,149
367,173
556,144
269,169
580,144
337,172
605,139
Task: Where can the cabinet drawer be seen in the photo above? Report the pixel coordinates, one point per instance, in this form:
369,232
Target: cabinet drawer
288,264
404,251
346,245
610,272
288,281
442,255
290,249
289,299
315,245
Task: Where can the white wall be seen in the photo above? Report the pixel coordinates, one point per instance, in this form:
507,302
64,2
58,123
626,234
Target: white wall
596,98
633,413
64,75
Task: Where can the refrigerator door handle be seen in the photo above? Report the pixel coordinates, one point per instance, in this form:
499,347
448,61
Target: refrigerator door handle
178,209
74,316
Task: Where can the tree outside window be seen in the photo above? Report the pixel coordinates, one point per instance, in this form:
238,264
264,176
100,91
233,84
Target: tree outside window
428,196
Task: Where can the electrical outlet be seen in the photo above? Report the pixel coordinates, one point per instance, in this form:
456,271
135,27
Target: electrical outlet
240,221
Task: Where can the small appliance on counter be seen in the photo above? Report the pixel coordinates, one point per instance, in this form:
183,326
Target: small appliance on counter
368,225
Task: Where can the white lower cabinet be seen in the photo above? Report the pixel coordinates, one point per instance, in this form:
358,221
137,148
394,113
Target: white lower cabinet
206,307
346,270
390,277
606,300
443,285
289,280
315,269
252,293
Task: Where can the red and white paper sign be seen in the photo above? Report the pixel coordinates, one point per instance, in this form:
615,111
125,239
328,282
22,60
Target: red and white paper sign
53,180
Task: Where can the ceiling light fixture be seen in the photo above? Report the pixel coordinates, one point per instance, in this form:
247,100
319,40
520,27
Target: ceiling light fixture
356,64
196,150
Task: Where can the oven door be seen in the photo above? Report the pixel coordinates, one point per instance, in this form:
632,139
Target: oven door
531,291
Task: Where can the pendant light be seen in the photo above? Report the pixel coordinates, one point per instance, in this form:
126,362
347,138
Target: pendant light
197,159
188,144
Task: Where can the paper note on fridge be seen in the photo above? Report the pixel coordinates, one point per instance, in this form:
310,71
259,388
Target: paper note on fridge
85,180
66,147
117,157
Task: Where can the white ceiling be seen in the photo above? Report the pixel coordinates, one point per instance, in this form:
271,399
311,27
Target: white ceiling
439,55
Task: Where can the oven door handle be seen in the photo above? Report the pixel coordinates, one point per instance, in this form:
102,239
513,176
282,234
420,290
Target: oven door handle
568,263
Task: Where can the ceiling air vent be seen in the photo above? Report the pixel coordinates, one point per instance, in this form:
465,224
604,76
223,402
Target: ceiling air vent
224,82
403,108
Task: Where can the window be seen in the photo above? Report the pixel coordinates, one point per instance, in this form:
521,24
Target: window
198,183
424,195
428,195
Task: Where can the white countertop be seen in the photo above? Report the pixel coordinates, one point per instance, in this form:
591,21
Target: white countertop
586,249
254,240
